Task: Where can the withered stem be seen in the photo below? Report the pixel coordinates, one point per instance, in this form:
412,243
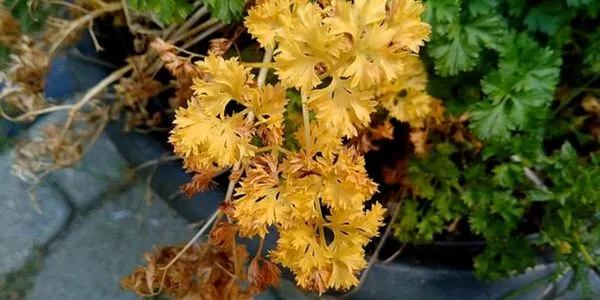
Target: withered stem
191,21
91,93
108,8
194,239
204,35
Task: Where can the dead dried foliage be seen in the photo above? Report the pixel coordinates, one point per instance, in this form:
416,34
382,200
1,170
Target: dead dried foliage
62,145
364,142
202,272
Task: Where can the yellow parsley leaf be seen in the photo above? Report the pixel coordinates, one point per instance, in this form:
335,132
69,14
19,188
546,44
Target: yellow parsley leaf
258,201
340,107
267,19
224,81
405,20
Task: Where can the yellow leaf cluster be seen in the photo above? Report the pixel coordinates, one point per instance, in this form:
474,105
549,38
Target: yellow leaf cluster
304,196
405,98
344,58
206,135
341,54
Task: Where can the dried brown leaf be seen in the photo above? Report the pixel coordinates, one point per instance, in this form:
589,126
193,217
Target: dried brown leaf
591,104
219,46
202,272
223,236
262,274
201,182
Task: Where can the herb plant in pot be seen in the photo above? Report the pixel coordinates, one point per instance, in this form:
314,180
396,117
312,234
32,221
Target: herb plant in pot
482,148
458,176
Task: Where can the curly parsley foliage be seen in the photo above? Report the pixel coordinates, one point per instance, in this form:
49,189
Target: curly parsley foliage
169,11
459,36
515,48
592,53
176,11
494,201
503,62
503,257
446,191
226,10
519,92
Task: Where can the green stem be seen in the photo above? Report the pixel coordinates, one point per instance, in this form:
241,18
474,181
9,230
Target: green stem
589,260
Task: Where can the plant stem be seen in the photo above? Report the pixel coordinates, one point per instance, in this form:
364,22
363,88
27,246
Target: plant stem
194,239
530,174
395,255
262,74
108,8
306,120
127,15
261,245
258,65
34,113
197,29
204,35
191,21
100,3
91,93
534,284
155,161
586,255
69,5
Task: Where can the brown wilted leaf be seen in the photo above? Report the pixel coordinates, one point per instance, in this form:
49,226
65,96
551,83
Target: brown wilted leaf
223,236
383,131
366,136
397,174
591,104
182,68
227,208
262,274
202,272
201,182
161,46
138,88
219,46
36,156
271,134
562,93
319,280
10,29
419,138
29,66
21,99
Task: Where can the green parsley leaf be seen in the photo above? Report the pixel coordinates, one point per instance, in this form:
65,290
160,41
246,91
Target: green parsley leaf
508,175
519,92
167,11
591,54
489,121
226,10
502,258
459,37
